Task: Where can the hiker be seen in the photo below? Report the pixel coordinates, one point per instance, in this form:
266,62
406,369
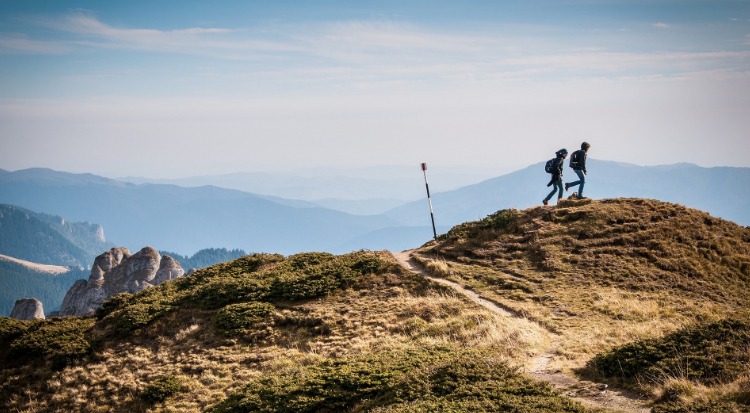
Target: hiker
578,164
555,168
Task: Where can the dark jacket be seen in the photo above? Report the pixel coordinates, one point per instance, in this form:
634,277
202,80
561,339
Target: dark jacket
581,165
557,169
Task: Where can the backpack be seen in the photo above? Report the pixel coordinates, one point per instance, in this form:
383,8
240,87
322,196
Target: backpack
575,159
549,167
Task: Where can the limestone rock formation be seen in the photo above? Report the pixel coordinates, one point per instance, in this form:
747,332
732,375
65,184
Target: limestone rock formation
115,272
27,309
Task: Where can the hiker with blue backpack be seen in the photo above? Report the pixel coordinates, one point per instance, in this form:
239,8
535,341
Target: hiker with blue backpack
578,164
555,167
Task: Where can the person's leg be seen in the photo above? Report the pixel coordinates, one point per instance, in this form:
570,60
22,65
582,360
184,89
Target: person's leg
581,181
549,196
559,187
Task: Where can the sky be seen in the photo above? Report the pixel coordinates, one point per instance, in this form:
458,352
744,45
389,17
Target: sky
168,89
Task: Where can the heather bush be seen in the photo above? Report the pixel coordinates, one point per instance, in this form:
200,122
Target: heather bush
706,353
161,389
424,379
59,340
236,318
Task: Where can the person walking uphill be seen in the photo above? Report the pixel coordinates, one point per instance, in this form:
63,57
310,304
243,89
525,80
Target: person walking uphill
555,167
578,164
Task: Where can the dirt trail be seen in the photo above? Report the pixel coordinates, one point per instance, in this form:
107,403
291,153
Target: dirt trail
593,395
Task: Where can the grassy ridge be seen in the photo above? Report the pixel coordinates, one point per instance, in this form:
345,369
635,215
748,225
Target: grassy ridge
639,291
629,243
309,332
625,290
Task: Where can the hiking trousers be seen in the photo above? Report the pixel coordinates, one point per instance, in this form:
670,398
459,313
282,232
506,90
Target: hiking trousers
581,181
556,186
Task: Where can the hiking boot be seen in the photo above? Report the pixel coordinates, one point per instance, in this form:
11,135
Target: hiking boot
544,201
567,185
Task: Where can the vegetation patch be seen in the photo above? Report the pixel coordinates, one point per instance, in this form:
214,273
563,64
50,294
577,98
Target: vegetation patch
238,318
257,278
161,389
412,379
706,353
59,340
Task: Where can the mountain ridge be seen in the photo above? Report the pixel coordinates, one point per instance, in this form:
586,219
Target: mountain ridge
316,331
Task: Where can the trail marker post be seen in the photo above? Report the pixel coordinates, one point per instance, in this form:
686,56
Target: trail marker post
429,200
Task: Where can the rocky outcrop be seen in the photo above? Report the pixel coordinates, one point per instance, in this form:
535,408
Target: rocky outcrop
27,309
115,272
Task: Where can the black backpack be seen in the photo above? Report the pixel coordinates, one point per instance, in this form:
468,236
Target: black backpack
575,159
549,167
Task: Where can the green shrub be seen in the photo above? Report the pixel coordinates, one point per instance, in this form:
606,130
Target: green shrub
135,316
60,340
312,275
433,379
113,303
227,291
236,318
707,353
161,389
11,328
239,268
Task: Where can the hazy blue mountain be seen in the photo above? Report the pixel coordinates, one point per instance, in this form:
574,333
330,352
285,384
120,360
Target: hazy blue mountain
357,190
185,220
722,191
19,281
49,239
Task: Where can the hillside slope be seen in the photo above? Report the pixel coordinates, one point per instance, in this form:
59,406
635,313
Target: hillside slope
316,332
601,274
309,333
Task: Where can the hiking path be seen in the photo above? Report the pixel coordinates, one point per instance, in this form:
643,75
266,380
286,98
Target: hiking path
593,395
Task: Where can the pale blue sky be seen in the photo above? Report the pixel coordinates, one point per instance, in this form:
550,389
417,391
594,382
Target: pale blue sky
180,88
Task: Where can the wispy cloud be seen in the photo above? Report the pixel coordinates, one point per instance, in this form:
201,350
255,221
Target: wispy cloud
219,42
13,43
381,51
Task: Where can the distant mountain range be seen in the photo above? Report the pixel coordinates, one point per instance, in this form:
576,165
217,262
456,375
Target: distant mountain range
49,239
185,220
357,190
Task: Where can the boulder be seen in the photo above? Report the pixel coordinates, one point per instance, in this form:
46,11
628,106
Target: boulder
27,309
115,272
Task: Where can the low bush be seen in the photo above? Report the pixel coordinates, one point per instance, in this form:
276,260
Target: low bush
161,389
228,291
135,316
706,353
426,379
10,328
59,340
236,318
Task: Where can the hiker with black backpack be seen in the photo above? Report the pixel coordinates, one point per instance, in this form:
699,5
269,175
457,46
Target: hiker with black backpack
555,167
578,164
